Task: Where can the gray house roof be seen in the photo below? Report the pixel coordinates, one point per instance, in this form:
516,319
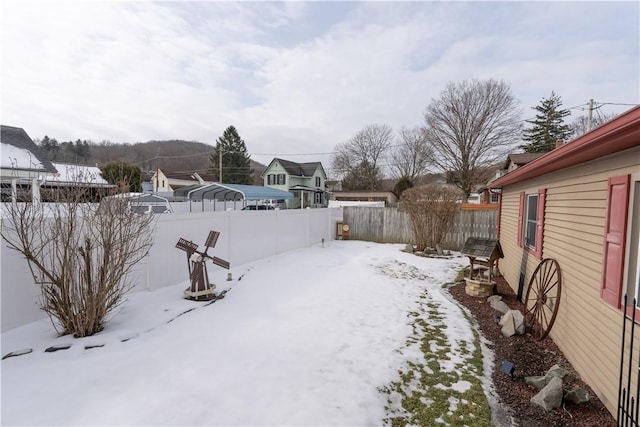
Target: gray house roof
297,169
18,148
520,159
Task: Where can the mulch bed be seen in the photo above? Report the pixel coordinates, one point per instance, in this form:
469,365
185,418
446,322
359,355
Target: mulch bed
530,358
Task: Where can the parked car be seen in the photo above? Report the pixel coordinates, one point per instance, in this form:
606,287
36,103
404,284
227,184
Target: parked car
258,208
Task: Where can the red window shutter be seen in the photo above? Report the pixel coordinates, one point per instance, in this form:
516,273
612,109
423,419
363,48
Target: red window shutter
542,194
520,219
615,239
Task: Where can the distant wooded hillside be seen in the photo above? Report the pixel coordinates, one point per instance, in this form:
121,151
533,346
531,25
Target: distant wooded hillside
170,156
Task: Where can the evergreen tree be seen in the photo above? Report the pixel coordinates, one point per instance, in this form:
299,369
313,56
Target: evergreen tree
548,126
127,176
50,147
236,162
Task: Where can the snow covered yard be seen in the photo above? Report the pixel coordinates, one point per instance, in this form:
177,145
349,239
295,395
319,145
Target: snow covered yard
328,335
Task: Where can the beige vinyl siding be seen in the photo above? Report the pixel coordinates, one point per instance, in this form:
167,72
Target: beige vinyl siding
587,330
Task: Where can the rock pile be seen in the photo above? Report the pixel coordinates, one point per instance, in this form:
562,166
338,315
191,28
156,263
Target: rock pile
550,386
551,389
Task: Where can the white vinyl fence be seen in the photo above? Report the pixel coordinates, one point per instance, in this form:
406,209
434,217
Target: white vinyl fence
245,236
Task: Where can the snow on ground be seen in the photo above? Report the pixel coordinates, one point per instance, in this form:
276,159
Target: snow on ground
307,337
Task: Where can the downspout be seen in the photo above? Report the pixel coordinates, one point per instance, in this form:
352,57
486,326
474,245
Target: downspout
499,193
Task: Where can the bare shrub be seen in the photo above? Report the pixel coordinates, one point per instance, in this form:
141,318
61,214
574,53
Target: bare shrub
431,209
79,255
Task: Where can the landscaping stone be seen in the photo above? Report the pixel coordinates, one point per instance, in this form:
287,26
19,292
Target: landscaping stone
89,347
557,371
538,382
499,306
577,396
550,397
57,348
409,248
494,298
17,353
512,323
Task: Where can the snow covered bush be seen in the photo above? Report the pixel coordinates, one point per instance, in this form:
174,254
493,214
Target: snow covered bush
79,256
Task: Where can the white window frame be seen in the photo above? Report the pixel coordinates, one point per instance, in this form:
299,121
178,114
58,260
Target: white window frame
318,198
631,276
281,179
494,197
318,182
529,225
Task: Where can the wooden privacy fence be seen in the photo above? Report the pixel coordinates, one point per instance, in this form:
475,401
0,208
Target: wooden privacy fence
389,225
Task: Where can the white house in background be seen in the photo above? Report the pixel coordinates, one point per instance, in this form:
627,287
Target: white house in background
168,182
23,166
77,176
306,181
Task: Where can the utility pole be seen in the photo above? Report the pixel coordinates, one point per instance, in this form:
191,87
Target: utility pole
220,164
590,115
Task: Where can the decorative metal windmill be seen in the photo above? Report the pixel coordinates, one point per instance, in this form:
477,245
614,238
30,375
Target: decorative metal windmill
200,288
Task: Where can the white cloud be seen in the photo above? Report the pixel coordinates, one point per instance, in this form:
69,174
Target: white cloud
295,77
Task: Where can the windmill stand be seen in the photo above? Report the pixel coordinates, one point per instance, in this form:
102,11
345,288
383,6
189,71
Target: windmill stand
201,289
482,253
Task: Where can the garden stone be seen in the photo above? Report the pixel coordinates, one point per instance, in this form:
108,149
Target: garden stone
17,353
55,348
577,396
512,323
409,248
557,371
550,397
499,306
494,298
537,381
508,328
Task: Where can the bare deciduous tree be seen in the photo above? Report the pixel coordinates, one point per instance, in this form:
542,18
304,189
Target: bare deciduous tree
472,125
432,209
358,160
411,158
581,124
79,255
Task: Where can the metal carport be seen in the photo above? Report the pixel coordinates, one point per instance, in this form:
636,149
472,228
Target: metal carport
230,192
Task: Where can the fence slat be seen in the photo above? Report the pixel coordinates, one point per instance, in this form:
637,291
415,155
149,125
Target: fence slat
389,225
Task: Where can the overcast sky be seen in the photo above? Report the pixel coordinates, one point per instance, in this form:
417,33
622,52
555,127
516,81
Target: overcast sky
297,77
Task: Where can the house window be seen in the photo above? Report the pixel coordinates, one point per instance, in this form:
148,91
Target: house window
317,181
531,222
163,183
271,179
494,198
281,179
318,197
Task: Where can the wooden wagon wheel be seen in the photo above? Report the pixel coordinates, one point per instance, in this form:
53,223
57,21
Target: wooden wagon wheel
543,298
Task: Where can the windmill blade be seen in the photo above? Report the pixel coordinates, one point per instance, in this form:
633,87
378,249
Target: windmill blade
220,262
212,239
187,245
